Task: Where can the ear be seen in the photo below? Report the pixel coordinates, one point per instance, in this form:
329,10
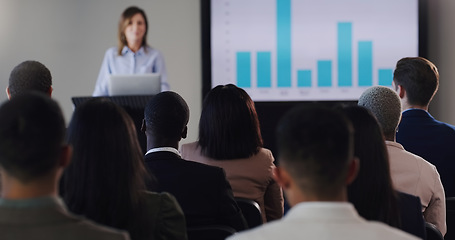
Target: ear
185,132
7,93
143,127
401,91
353,170
65,156
281,176
49,91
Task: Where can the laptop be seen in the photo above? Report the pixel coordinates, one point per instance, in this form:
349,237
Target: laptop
137,84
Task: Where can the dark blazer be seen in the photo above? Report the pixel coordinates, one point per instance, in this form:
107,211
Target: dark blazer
202,191
411,215
433,140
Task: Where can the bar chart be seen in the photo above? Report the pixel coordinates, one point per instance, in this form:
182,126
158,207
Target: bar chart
279,50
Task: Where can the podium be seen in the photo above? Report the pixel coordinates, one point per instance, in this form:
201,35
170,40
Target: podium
133,105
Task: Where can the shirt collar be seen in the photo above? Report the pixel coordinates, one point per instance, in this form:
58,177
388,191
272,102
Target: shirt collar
164,149
394,144
126,49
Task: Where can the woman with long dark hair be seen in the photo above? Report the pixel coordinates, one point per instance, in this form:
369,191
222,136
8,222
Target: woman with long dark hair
230,138
372,191
106,180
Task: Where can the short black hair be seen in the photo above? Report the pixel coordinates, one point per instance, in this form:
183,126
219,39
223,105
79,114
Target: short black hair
32,131
29,76
229,125
315,144
166,115
419,77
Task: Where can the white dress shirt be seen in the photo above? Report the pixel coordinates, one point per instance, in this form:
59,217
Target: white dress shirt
323,220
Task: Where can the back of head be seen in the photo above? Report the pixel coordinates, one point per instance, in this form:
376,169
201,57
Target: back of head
107,160
315,146
372,191
229,125
166,116
32,131
419,77
29,76
385,104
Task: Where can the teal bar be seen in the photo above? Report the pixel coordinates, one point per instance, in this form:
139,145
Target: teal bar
344,54
243,69
365,63
324,73
264,69
283,30
385,77
304,78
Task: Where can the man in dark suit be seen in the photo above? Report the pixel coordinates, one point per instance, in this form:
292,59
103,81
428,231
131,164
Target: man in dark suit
32,157
202,191
416,81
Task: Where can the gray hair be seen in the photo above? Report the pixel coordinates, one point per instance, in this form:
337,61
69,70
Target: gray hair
385,104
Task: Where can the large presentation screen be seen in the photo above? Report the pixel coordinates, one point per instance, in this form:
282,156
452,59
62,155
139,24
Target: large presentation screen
307,50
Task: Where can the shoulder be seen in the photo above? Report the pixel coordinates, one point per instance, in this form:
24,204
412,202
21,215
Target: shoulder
87,229
111,51
189,147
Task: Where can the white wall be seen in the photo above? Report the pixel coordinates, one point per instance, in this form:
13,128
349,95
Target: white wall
442,53
71,36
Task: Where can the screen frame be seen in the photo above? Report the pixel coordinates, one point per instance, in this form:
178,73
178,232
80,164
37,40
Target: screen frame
205,7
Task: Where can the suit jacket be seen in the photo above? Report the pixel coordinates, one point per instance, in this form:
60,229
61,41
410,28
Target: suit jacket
49,220
202,191
322,220
433,140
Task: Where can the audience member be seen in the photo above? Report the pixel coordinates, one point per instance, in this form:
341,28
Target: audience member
372,192
410,173
203,191
32,157
106,179
230,138
416,81
29,76
316,163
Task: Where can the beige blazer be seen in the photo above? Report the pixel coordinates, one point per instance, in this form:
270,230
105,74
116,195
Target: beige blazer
250,178
414,175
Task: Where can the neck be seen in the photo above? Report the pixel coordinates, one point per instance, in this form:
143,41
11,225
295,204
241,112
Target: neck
296,196
14,189
135,46
153,142
405,105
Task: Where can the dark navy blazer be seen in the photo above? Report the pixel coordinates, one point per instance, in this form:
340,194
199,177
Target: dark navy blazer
202,191
431,139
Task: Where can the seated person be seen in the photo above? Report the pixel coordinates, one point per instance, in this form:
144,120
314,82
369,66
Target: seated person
410,173
32,157
106,179
315,147
230,138
372,192
203,191
29,76
416,81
